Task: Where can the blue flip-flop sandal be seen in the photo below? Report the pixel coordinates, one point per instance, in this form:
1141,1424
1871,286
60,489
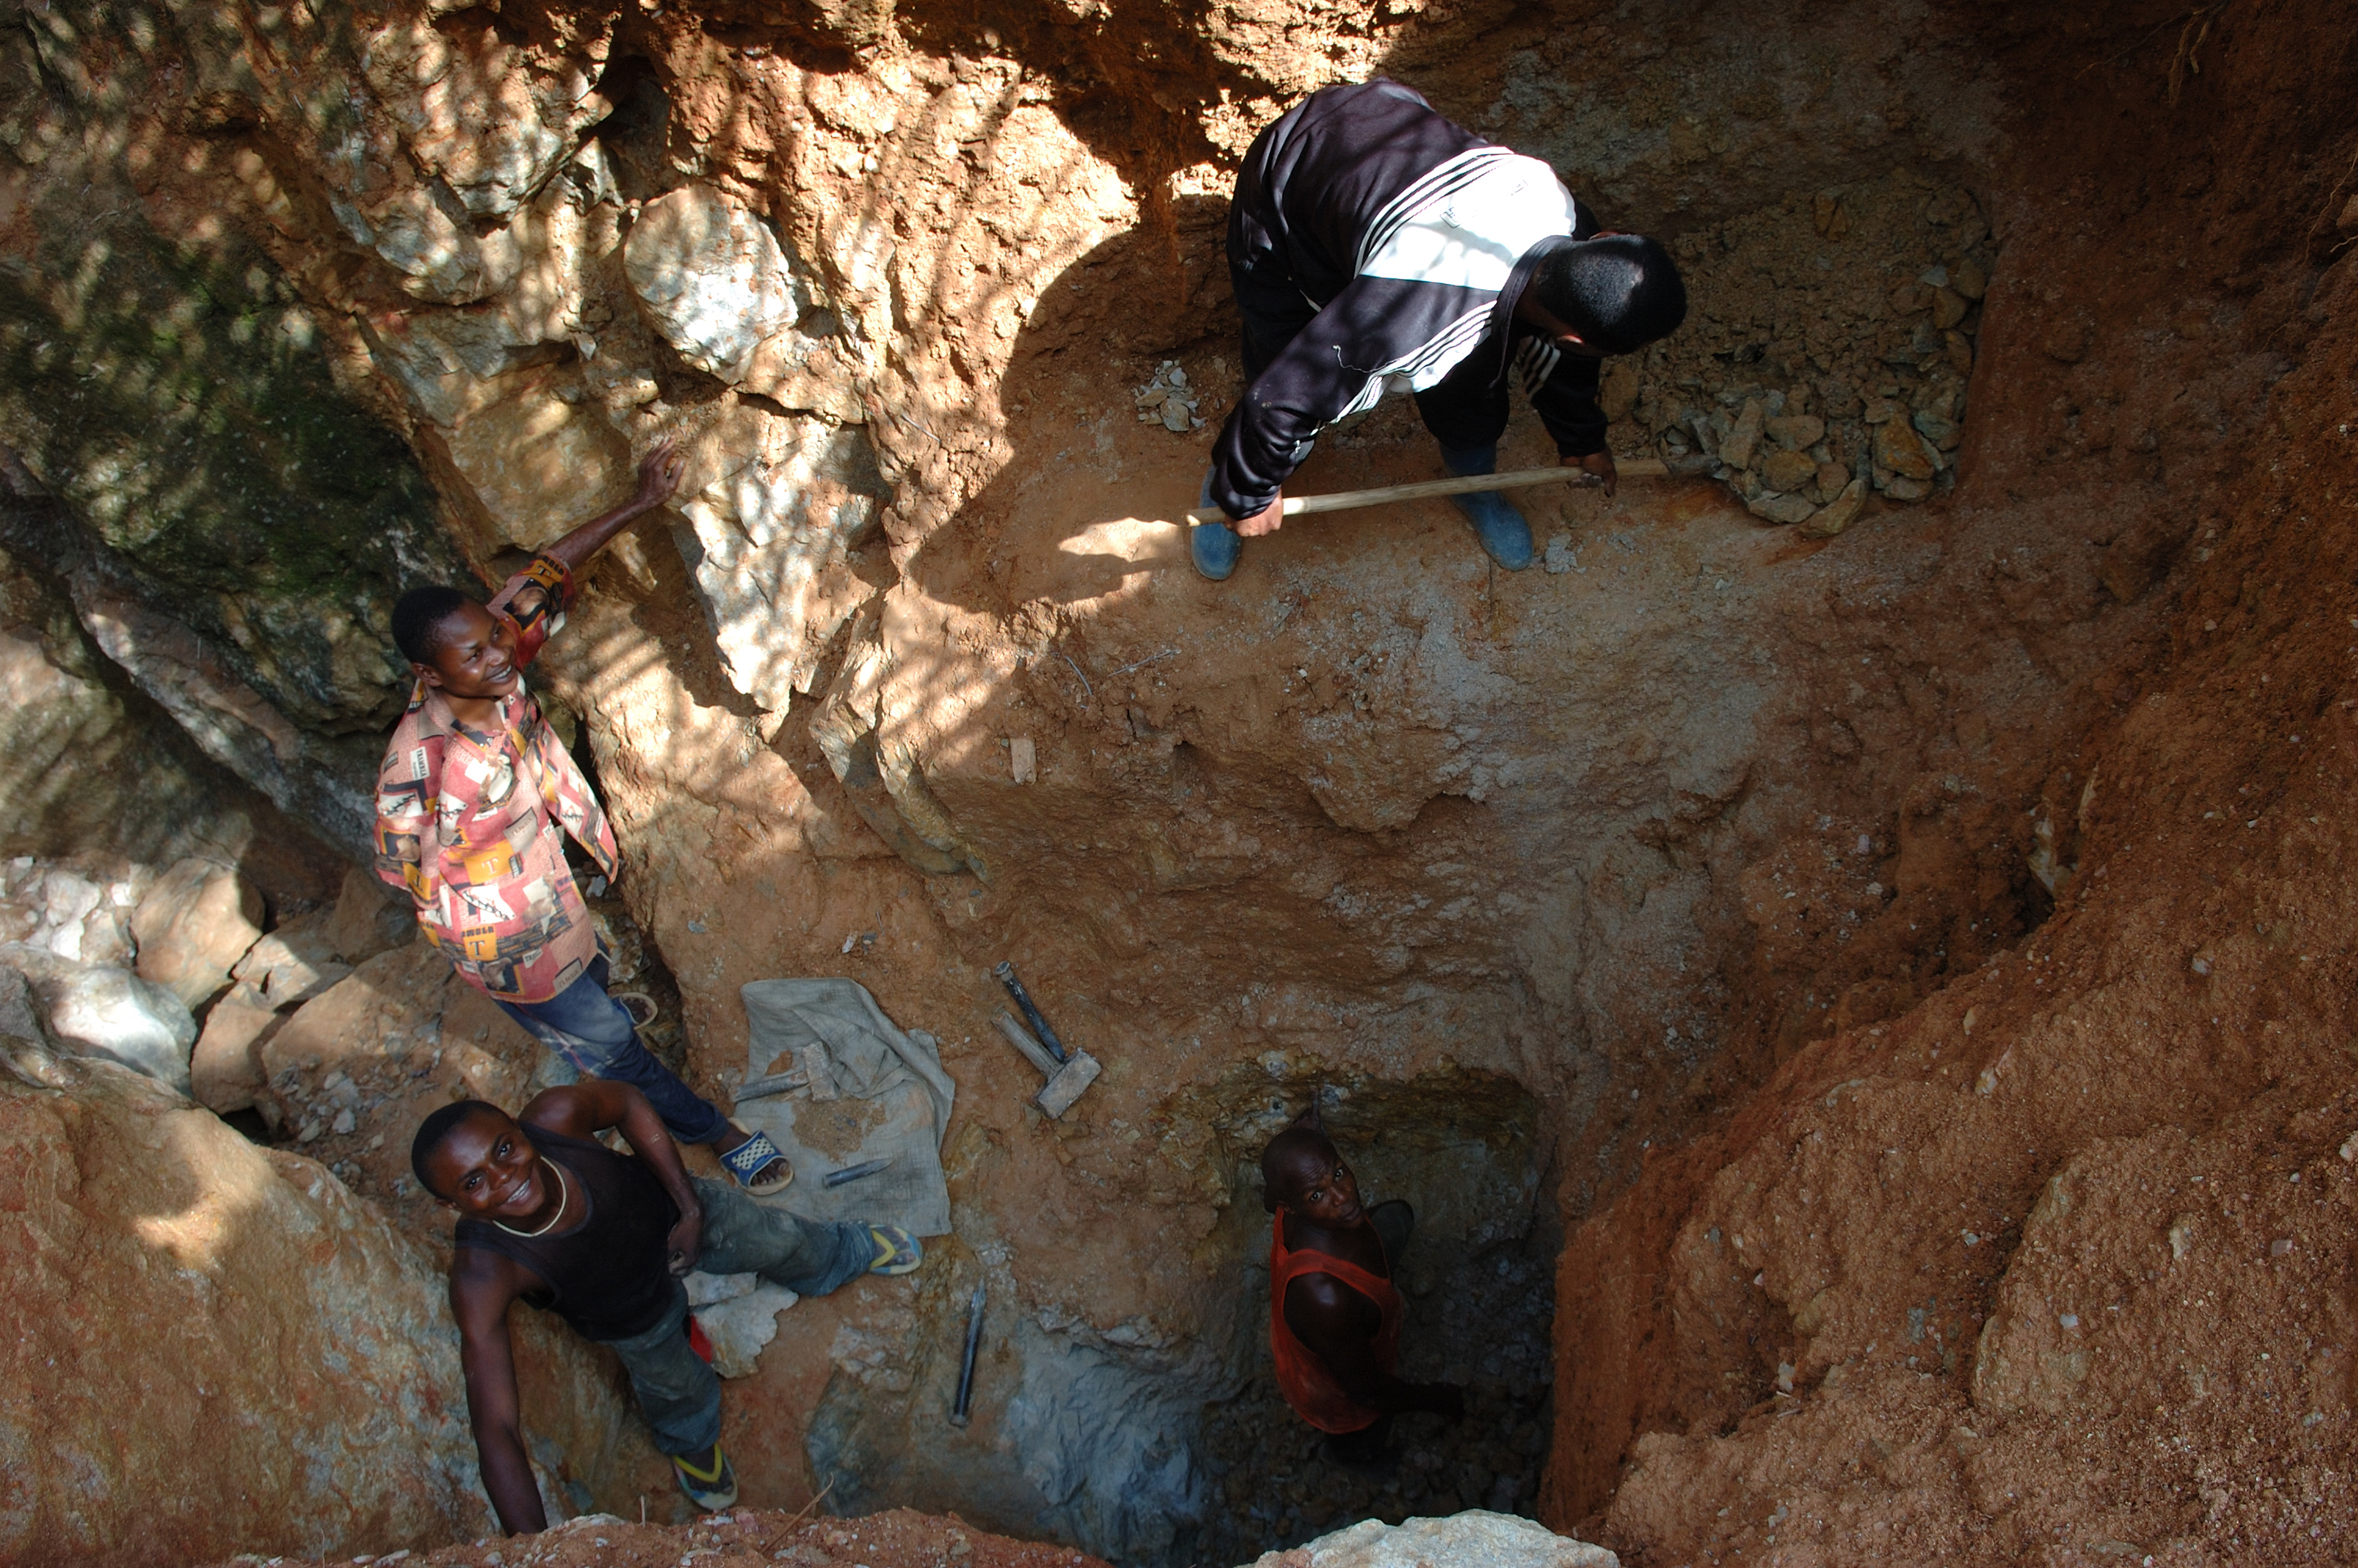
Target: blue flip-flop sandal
746,1161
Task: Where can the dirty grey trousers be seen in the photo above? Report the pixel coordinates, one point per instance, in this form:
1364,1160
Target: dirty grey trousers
676,1392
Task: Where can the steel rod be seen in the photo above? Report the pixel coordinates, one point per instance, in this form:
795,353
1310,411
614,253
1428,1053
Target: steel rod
959,1411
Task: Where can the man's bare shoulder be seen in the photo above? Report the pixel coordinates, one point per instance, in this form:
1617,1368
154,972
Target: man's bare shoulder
483,1283
1322,1293
570,1110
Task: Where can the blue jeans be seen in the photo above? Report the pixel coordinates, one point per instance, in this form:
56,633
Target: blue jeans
594,1034
677,1393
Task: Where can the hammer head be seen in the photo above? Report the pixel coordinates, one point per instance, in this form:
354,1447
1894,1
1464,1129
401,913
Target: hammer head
1066,1084
818,1071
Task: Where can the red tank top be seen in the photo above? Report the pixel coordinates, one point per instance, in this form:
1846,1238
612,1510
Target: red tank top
1302,1376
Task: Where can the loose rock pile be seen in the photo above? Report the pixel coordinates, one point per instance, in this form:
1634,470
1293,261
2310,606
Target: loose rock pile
373,1034
1169,398
170,971
1825,353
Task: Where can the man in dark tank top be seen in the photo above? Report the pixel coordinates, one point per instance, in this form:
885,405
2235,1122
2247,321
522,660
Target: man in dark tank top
551,1216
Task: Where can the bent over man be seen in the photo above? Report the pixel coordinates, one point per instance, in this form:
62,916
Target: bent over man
1376,246
473,801
1334,1311
551,1216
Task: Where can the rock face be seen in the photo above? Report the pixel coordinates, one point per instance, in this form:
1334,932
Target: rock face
89,765
98,1009
56,909
115,390
270,1330
712,279
267,1329
769,538
194,926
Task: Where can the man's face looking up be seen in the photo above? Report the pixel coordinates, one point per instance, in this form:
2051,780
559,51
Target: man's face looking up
487,1169
1324,1191
476,659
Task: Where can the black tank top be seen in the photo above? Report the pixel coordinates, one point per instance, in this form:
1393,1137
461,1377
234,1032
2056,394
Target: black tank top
609,1276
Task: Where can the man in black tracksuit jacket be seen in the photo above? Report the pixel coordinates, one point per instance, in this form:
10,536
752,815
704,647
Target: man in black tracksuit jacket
1376,246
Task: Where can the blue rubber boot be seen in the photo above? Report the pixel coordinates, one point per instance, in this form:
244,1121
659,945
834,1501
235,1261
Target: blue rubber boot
1505,536
1215,547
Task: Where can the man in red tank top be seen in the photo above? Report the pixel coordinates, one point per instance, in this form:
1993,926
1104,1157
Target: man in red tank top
1335,1317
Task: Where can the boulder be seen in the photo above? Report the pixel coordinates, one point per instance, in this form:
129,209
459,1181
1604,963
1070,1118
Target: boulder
1736,449
1838,514
1475,1539
738,1314
225,1071
369,918
97,1009
293,963
1789,470
710,278
208,1347
193,926
1775,508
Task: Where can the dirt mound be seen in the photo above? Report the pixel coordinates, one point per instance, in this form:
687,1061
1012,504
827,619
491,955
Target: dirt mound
2050,1267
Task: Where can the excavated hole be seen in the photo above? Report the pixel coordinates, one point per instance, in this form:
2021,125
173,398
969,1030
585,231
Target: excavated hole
1832,341
1471,1154
1158,1450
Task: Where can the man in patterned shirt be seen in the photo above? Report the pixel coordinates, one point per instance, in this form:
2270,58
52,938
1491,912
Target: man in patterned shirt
473,801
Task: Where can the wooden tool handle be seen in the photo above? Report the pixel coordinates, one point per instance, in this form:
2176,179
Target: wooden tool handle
1427,490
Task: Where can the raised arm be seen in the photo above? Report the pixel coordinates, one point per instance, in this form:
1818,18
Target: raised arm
659,474
594,1105
1339,1326
481,1286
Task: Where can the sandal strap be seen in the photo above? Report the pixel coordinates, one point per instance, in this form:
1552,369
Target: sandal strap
747,1159
720,1467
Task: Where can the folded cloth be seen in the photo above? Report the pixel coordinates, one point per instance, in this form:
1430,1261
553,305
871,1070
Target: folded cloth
895,1103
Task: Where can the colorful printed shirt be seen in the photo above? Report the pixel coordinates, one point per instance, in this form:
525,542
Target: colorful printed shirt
471,825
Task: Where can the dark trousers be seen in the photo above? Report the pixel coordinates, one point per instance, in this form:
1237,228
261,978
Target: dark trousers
594,1034
1462,415
677,1392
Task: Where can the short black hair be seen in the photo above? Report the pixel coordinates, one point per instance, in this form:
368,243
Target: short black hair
435,1129
418,618
1284,1150
1619,292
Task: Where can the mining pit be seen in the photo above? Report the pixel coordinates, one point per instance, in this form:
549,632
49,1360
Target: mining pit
1848,955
